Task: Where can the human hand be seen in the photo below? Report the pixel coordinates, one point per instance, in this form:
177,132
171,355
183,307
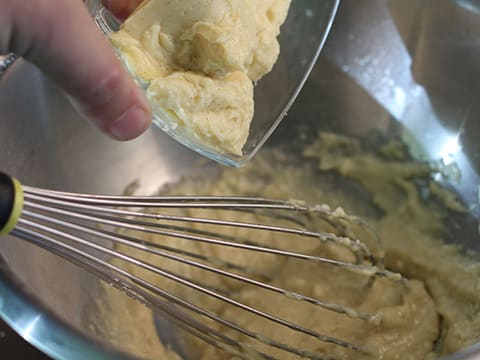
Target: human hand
61,38
121,8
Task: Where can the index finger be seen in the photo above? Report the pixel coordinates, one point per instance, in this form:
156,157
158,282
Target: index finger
62,39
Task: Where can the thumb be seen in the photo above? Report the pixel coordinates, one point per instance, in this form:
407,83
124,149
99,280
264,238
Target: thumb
62,39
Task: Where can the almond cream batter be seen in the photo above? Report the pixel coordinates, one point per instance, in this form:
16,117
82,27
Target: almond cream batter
436,313
199,58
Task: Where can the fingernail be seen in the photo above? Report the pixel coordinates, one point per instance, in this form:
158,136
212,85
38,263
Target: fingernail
130,124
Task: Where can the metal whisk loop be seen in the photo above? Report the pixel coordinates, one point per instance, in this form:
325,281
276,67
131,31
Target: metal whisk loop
78,226
112,275
100,203
30,230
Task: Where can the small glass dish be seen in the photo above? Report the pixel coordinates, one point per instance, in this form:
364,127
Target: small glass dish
301,39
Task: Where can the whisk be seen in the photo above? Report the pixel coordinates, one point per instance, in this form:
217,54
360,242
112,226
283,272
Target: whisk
105,234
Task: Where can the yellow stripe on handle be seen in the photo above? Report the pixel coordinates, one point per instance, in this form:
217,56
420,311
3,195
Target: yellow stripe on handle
16,210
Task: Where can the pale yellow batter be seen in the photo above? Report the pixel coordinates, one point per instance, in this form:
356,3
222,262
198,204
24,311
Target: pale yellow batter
437,312
199,58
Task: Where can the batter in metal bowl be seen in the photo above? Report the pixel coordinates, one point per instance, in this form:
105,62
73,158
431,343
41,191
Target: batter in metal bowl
435,313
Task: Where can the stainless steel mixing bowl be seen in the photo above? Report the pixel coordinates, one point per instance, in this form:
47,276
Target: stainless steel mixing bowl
408,68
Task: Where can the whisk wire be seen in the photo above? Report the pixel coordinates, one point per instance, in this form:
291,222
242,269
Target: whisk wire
88,229
176,299
126,240
242,203
353,245
138,293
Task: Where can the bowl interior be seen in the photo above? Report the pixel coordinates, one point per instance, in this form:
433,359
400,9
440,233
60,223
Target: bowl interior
45,143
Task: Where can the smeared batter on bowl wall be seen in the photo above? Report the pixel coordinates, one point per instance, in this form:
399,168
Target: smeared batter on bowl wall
199,58
436,314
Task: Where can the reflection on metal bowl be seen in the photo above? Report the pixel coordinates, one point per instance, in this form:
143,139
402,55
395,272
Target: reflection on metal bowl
408,69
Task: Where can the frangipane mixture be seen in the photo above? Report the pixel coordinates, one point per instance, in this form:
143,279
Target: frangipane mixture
435,313
198,60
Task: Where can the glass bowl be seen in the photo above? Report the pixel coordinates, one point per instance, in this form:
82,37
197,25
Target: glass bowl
301,39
